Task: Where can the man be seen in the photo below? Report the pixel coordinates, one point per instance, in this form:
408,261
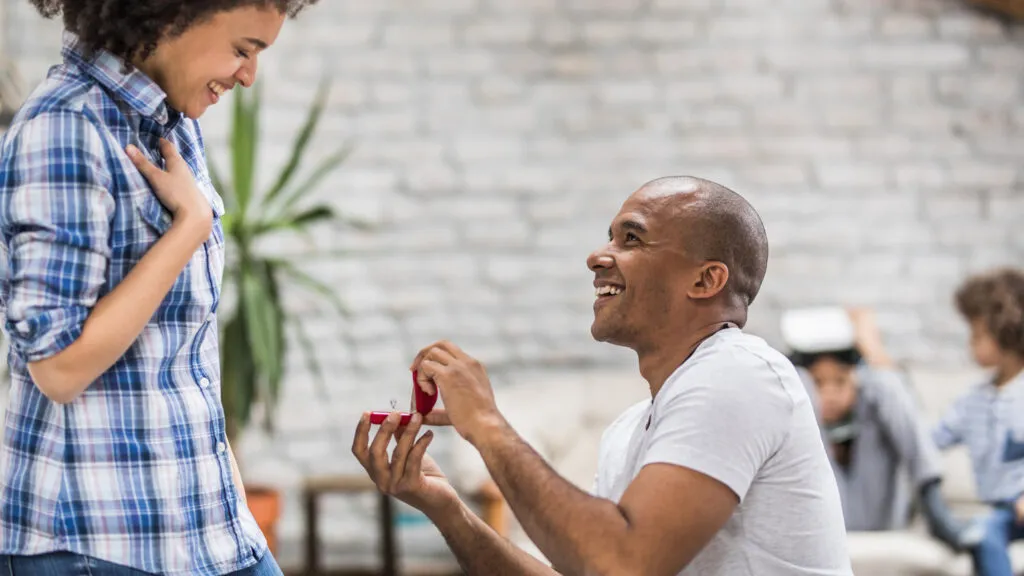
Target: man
871,424
723,471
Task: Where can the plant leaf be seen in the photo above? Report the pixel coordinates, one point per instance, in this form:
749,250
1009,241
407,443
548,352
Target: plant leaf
301,142
297,221
297,275
244,136
262,322
238,374
326,166
309,354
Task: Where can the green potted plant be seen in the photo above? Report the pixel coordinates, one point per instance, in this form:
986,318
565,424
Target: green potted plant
252,337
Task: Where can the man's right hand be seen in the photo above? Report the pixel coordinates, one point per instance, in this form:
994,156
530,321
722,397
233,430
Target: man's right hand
176,189
410,474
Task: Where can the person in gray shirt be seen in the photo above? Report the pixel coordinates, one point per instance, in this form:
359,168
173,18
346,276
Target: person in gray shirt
880,448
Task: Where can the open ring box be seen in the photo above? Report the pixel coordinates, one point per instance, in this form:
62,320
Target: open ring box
424,404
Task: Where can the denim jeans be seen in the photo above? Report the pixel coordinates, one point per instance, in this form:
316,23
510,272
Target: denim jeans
69,564
991,557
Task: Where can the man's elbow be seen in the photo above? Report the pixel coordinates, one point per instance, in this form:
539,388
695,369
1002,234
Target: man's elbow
54,381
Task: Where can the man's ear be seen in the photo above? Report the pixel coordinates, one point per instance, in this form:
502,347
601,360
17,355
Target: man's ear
710,281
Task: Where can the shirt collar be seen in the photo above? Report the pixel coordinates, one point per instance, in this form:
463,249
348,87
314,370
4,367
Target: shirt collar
133,87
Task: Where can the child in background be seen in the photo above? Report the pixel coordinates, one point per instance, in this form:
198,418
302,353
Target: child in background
989,418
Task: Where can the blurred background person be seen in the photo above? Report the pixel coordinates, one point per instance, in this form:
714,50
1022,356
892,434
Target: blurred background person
878,444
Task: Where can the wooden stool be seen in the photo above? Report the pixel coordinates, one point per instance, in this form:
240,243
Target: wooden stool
315,487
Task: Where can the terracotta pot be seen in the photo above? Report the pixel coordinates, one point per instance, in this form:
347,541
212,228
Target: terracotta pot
265,505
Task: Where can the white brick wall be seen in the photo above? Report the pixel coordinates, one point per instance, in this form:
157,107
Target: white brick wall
881,141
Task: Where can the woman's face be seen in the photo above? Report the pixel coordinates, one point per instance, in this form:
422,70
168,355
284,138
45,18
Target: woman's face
199,66
836,384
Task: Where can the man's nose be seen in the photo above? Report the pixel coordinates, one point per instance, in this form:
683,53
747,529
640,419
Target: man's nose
599,259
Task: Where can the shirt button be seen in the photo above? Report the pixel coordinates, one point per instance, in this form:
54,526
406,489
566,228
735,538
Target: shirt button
221,447
204,383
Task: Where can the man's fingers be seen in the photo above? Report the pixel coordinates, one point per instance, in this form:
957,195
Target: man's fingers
414,463
361,441
405,441
379,467
147,168
437,417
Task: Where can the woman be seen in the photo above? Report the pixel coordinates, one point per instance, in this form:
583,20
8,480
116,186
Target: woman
114,457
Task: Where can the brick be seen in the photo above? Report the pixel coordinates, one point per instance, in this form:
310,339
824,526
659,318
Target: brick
698,58
1001,57
972,26
411,34
922,174
912,89
834,174
664,32
906,26
861,87
808,58
503,31
924,55
983,174
558,32
978,89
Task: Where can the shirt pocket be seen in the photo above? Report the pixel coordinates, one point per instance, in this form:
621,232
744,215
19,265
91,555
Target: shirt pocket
1013,447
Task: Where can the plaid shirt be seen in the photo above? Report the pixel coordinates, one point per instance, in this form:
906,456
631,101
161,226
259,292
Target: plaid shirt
989,421
136,470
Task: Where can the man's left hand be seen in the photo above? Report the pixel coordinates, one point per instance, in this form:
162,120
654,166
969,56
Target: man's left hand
1020,509
465,389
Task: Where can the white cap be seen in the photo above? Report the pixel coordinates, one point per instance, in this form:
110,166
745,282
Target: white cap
822,329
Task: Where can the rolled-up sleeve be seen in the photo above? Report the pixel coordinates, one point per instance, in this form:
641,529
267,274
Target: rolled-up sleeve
56,209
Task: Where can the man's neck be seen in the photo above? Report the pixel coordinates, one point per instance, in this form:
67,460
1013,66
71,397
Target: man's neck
658,363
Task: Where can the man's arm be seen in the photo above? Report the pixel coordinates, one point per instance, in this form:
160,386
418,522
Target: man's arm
236,474
480,550
669,512
413,477
665,518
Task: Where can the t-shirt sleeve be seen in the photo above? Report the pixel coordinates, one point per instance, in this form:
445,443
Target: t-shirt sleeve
722,421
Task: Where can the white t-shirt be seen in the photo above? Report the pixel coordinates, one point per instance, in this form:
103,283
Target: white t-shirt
738,412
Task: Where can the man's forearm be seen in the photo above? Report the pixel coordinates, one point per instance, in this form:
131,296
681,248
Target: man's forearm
116,320
482,551
575,530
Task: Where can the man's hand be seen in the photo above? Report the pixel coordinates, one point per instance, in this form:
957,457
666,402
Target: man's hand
409,475
464,387
1019,507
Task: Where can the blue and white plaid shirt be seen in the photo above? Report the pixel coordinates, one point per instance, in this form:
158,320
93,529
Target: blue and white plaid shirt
990,421
136,470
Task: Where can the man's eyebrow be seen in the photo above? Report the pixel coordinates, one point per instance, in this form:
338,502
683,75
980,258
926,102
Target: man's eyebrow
257,43
634,226
629,225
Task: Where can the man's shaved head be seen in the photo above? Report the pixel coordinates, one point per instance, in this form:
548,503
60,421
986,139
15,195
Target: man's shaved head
716,224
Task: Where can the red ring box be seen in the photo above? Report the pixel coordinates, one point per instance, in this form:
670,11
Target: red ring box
424,404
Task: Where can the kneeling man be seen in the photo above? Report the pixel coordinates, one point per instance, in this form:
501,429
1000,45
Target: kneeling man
721,472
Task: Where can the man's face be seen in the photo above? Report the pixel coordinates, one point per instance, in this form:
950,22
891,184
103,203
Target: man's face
199,66
836,385
641,275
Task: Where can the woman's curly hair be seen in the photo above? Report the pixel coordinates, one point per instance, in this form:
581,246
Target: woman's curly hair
997,299
131,28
